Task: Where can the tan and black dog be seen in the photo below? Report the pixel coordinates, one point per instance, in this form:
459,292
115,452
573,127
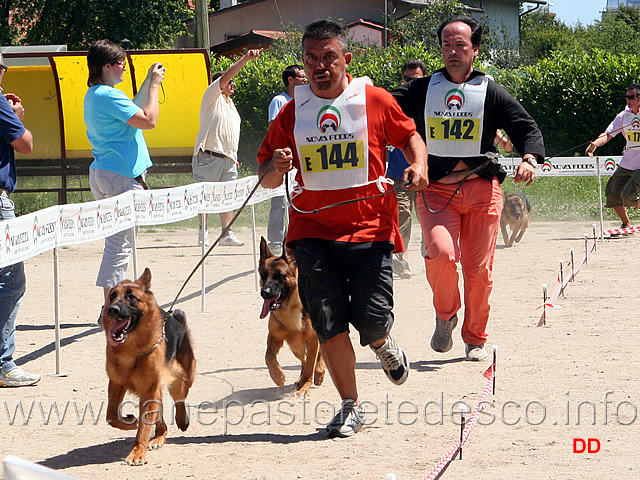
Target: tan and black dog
147,350
516,214
288,321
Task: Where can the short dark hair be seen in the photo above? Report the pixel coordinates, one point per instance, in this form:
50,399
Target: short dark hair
323,29
289,72
414,64
476,28
634,86
216,76
101,53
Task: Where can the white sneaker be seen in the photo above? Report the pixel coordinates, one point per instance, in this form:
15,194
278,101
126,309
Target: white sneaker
393,359
475,353
348,421
275,248
230,240
16,377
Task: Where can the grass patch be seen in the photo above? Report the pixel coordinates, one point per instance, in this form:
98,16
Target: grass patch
565,198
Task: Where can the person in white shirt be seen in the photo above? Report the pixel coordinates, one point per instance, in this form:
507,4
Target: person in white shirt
624,185
215,157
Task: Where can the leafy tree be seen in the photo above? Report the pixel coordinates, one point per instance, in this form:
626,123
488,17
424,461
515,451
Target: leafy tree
77,23
421,26
542,33
617,32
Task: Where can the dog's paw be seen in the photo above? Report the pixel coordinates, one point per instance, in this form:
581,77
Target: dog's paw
138,456
302,387
157,442
318,378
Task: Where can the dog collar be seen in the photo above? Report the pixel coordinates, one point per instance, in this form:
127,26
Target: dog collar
160,340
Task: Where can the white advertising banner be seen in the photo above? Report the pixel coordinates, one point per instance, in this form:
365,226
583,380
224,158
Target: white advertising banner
76,223
566,166
87,222
27,236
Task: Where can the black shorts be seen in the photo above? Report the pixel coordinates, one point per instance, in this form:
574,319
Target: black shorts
344,283
622,188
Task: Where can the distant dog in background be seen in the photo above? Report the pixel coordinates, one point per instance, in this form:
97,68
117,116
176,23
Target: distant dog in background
288,320
516,214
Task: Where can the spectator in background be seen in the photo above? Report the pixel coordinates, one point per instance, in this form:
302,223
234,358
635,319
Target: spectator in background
291,76
13,137
215,157
120,154
624,185
395,169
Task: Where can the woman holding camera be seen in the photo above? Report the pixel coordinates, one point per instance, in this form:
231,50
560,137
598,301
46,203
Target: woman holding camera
114,128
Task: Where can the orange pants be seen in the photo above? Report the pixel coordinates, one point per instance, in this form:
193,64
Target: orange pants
466,232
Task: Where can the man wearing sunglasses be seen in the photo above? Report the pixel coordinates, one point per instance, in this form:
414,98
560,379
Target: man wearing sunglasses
13,137
624,185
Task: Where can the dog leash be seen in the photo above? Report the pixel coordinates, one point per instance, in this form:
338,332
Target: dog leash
464,179
394,189
224,232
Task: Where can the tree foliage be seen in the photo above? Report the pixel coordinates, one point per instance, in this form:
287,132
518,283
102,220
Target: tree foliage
77,23
421,27
542,33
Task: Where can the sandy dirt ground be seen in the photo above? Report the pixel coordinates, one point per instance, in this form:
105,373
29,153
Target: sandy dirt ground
575,378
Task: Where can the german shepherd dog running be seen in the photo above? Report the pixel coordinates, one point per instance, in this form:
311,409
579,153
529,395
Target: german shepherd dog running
516,214
288,321
146,351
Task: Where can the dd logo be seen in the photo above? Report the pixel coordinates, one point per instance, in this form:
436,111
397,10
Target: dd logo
590,445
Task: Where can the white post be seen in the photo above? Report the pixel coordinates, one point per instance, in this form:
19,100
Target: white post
134,254
56,303
600,198
255,254
203,277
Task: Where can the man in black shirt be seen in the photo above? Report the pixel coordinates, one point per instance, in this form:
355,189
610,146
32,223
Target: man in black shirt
457,111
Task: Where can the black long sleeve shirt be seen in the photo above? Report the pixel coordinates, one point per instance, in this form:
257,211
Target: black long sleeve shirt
501,110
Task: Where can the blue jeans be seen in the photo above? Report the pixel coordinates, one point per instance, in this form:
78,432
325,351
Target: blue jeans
12,287
275,229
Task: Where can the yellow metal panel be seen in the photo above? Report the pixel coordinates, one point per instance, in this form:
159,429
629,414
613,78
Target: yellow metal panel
35,85
72,75
184,84
174,135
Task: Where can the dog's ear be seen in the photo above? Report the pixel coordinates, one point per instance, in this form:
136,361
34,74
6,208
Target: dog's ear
145,279
264,249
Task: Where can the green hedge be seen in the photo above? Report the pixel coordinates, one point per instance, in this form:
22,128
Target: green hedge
573,97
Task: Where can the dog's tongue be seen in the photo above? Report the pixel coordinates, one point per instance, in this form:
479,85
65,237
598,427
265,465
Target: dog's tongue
266,307
116,326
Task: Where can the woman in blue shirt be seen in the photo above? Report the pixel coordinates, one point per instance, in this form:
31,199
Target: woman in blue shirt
114,128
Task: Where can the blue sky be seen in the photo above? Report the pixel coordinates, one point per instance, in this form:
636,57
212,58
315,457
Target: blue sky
572,11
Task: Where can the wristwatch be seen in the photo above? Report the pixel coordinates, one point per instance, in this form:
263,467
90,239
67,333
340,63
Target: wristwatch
531,161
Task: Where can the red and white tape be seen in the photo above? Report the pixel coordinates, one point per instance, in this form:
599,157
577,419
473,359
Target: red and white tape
621,231
444,462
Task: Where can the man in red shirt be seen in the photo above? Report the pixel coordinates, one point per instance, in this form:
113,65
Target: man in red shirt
335,134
